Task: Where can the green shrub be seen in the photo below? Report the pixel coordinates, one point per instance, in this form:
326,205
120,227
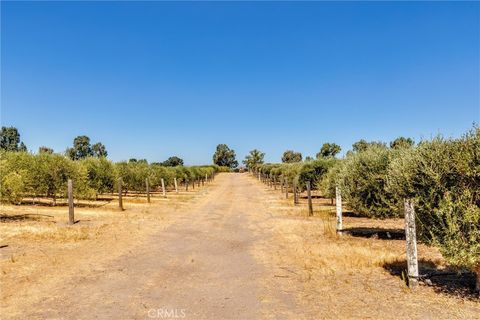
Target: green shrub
443,178
363,178
313,171
13,188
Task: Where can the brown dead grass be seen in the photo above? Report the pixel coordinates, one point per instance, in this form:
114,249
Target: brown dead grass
39,248
341,276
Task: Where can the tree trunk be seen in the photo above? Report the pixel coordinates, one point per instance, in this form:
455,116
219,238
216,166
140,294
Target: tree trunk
477,272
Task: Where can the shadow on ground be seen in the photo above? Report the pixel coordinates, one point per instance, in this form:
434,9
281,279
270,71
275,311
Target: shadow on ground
458,283
377,233
23,217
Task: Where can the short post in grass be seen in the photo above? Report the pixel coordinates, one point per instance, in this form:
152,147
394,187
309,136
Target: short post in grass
147,185
259,176
206,177
309,195
274,182
286,189
120,193
281,184
338,203
176,184
186,184
411,237
71,218
164,192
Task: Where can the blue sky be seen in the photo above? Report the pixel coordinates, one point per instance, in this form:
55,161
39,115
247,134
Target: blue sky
155,79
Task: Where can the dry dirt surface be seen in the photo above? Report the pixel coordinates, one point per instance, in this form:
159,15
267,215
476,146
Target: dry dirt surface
235,250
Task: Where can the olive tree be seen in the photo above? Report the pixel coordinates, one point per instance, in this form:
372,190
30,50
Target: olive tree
442,176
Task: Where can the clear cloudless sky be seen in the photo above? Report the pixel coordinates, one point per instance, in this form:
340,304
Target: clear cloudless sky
155,79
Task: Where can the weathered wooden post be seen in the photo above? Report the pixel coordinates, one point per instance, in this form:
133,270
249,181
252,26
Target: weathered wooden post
411,237
120,195
176,184
286,189
309,195
148,189
193,184
274,182
281,184
71,218
259,176
295,195
338,202
206,177
164,192
186,184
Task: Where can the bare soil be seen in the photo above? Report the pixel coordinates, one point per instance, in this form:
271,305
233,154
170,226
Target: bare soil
235,249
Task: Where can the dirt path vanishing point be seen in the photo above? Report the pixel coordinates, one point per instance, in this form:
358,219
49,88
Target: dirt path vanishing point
219,258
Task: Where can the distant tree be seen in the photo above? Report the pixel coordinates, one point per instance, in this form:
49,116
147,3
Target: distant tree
291,156
173,162
44,149
253,158
22,147
225,157
10,140
329,150
99,150
402,143
363,145
308,159
81,148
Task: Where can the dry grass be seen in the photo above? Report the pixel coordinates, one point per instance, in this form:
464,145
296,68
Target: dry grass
341,276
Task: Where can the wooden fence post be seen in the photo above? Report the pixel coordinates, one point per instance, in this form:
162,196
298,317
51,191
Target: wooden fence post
206,177
148,189
411,237
281,184
286,189
309,195
71,218
176,184
163,188
120,195
338,202
274,182
295,194
186,184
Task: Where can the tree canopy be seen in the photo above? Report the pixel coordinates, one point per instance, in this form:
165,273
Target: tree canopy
225,157
253,158
10,140
401,143
329,150
82,149
172,162
291,156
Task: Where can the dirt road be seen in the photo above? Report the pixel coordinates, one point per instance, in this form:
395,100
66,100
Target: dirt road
231,253
199,267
